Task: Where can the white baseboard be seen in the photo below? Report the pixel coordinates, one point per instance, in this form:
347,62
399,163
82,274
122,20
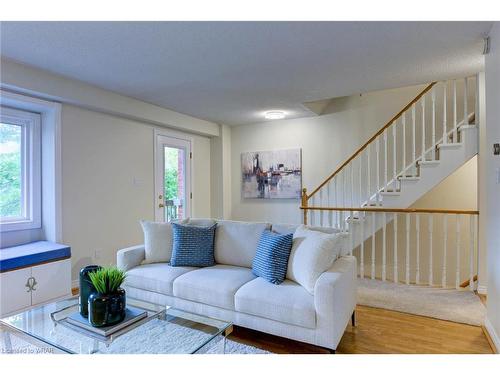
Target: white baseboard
481,289
493,335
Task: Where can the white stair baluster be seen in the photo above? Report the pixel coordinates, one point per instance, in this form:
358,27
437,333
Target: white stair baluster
321,205
337,213
373,218
385,160
384,245
455,133
417,269
329,197
445,135
466,112
404,145
445,249
407,276
414,141
471,251
423,128
351,169
395,255
431,252
362,248
433,145
351,230
342,213
368,172
394,179
313,213
360,176
377,175
344,187
457,271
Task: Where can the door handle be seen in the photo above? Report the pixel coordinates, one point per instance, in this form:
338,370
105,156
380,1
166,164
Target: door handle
30,284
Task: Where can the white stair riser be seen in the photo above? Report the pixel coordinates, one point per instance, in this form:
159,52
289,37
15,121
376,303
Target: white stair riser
451,158
430,175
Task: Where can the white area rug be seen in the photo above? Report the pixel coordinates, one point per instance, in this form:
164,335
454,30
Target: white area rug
446,304
176,342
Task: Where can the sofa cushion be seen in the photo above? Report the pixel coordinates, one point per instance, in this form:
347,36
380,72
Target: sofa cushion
236,242
202,222
193,245
290,228
157,241
157,277
287,303
271,258
214,286
312,254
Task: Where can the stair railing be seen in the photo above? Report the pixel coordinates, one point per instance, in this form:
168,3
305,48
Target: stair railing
434,247
394,152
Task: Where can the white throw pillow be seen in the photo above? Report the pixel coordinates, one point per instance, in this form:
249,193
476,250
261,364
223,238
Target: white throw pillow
157,241
312,254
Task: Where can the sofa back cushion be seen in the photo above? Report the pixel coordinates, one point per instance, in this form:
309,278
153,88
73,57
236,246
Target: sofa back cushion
290,228
236,242
157,241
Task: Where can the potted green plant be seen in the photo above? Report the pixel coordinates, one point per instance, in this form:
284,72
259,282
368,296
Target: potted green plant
106,306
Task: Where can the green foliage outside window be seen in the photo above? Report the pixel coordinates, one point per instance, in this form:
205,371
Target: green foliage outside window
171,172
10,170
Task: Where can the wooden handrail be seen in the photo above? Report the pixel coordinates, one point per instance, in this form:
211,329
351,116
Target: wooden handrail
416,99
394,210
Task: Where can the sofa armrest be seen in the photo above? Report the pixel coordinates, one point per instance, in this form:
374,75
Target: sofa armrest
335,295
130,257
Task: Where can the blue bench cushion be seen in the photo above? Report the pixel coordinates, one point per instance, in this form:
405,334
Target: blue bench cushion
30,254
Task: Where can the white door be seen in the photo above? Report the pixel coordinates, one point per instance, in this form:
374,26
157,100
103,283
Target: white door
172,178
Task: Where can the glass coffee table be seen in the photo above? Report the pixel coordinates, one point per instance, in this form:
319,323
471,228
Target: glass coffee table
165,331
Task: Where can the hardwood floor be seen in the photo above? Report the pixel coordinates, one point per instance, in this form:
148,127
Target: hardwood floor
380,331
383,331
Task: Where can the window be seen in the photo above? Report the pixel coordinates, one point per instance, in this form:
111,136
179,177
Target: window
20,185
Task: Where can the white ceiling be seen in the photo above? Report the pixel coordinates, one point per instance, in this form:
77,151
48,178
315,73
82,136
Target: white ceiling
232,72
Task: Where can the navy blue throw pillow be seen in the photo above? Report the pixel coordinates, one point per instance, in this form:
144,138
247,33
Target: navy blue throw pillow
271,258
192,245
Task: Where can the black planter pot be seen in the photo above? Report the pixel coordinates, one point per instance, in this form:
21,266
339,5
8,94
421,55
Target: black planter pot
86,288
106,309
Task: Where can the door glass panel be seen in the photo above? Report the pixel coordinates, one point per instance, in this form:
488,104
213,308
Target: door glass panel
174,183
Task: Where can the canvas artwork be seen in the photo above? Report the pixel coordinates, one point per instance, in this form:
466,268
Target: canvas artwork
272,174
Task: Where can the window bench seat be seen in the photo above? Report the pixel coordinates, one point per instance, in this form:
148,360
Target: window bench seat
31,254
33,274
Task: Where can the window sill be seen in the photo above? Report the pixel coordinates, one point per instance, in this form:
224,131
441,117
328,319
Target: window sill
12,226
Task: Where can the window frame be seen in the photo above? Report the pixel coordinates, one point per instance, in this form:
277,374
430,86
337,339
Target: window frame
31,185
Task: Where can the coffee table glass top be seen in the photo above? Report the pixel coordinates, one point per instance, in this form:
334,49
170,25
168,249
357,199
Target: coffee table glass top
165,331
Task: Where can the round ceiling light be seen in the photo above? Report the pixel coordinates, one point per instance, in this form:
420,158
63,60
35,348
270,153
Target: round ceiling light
274,115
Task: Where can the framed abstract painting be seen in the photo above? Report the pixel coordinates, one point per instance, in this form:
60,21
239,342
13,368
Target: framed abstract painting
272,174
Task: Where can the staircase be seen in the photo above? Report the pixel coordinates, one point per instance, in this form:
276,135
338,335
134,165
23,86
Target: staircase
429,139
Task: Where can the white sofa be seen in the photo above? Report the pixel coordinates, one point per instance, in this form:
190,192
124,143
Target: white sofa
229,291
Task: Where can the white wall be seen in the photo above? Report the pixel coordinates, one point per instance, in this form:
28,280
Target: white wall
36,82
107,142
326,141
490,200
101,205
